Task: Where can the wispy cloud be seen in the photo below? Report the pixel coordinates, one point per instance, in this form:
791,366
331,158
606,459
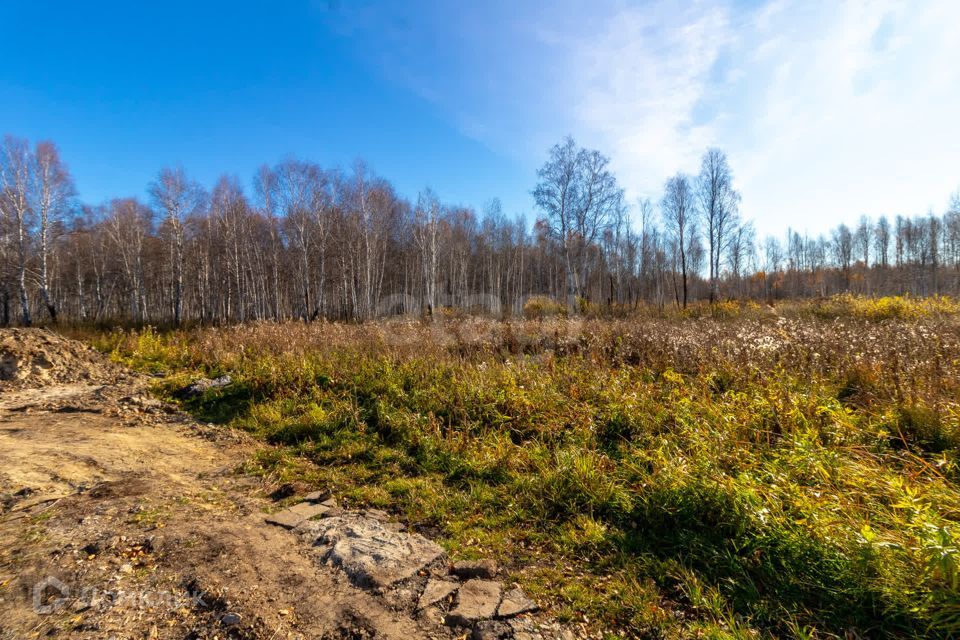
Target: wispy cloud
827,109
638,84
852,108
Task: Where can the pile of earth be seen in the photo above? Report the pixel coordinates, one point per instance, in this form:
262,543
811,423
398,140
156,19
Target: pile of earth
40,357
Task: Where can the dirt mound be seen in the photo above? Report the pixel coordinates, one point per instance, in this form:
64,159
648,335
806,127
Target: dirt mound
39,357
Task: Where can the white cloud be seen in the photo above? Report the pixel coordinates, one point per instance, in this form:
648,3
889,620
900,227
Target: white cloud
828,109
637,83
856,116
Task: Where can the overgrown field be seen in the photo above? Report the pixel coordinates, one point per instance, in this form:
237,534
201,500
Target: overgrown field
753,472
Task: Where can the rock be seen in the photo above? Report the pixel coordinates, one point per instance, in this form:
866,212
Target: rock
466,569
377,514
200,386
433,615
435,591
397,527
402,597
333,511
230,620
296,515
477,600
371,554
318,496
491,630
514,603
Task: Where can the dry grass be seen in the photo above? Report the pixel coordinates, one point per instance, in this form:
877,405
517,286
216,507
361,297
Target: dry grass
738,472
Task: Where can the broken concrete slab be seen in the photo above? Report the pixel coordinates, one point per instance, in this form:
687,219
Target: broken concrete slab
476,600
296,515
514,603
200,387
370,553
435,591
467,569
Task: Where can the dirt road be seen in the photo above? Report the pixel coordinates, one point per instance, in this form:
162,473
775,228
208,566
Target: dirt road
122,518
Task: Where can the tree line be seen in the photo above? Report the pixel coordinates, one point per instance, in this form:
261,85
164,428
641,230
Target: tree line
308,242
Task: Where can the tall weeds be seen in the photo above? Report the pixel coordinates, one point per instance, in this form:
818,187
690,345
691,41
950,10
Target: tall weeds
787,472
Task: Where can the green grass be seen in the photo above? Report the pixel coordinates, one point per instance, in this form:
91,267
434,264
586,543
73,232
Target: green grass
739,474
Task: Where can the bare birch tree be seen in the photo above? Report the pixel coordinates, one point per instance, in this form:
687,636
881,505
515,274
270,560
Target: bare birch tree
177,198
718,204
677,208
265,186
128,225
15,179
53,190
427,232
579,196
302,193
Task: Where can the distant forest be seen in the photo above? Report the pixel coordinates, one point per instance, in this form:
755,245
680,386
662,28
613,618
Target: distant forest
309,242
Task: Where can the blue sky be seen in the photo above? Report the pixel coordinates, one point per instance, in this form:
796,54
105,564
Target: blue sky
827,109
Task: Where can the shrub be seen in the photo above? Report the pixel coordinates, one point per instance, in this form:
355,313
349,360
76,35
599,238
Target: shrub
882,308
539,307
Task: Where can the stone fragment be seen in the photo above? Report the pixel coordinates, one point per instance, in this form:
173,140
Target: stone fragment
477,600
200,386
467,569
296,515
398,527
435,591
230,620
514,603
402,596
491,630
318,496
371,554
332,511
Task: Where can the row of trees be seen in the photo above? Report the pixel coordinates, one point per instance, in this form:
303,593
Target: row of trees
309,242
